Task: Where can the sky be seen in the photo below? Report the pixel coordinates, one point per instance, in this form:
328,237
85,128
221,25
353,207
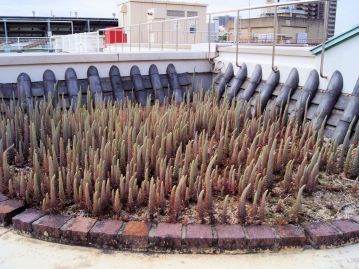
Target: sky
346,13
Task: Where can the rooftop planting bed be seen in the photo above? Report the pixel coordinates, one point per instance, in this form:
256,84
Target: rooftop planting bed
191,162
192,168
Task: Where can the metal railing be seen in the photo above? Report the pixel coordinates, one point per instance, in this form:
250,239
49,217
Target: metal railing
275,26
175,34
170,33
26,44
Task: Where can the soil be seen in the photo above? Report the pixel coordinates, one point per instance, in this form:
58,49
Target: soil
336,197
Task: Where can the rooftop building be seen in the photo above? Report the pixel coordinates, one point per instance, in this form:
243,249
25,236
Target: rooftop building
20,26
133,12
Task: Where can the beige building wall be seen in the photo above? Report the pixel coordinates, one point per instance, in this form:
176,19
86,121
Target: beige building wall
288,28
189,31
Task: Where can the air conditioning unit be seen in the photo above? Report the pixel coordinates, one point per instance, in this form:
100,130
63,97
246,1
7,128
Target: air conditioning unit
156,13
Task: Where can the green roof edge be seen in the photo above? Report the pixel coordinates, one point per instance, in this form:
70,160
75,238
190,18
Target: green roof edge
336,40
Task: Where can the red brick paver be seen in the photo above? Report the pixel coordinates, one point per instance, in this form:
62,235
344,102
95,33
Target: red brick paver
199,236
76,229
23,221
290,235
167,235
322,233
260,236
135,235
106,232
50,225
350,229
231,237
8,209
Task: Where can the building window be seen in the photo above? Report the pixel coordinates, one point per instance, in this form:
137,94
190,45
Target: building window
175,13
192,13
192,29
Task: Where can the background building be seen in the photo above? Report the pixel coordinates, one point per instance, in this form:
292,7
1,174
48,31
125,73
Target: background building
224,20
314,11
49,26
187,31
294,30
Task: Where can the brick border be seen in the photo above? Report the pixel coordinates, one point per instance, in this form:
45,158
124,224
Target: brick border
142,236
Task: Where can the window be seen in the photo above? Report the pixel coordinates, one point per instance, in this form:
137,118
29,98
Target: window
192,29
175,13
192,13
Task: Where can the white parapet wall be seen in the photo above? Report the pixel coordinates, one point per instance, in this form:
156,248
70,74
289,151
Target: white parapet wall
343,58
34,64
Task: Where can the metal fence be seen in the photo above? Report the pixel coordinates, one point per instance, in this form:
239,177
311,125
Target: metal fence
175,34
26,44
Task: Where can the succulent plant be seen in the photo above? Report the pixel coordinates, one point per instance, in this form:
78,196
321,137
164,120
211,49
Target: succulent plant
120,157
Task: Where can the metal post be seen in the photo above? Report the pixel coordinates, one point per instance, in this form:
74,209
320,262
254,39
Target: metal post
69,41
86,42
249,21
237,40
130,38
5,29
186,31
115,40
123,36
98,41
62,43
275,23
176,35
209,36
50,44
139,37
49,28
88,26
195,32
162,37
149,37
18,43
325,34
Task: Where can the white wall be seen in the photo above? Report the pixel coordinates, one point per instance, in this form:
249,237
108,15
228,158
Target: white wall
34,65
344,57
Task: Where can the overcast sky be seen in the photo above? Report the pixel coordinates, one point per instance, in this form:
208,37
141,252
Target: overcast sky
347,15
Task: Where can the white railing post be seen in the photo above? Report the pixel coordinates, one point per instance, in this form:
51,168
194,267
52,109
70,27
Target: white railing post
275,23
176,35
162,36
98,41
325,35
69,43
86,40
115,39
149,37
130,38
209,36
122,34
139,37
50,44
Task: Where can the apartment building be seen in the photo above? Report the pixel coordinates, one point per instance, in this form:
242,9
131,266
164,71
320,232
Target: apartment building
308,10
143,21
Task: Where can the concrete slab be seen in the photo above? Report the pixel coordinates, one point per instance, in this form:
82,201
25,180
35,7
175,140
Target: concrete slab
32,253
3,231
